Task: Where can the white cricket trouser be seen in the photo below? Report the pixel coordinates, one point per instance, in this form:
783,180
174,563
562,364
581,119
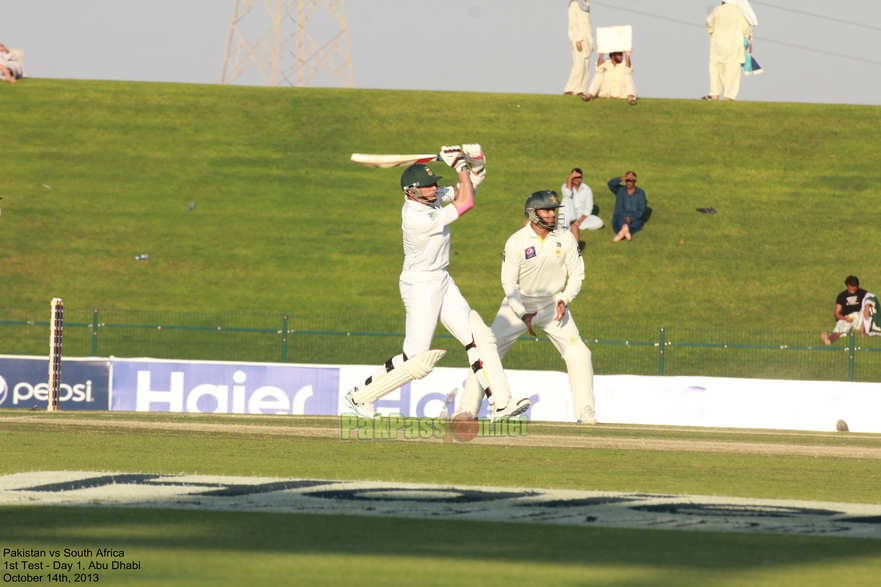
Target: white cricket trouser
507,328
430,296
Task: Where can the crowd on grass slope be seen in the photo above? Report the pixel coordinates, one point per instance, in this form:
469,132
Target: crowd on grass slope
729,25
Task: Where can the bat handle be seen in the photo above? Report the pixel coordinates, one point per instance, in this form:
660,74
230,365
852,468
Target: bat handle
445,411
451,397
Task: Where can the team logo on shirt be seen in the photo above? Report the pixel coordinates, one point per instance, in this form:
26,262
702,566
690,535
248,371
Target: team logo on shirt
432,215
530,252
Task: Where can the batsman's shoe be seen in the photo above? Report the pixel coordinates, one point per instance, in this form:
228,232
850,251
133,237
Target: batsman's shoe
459,413
514,408
587,417
365,409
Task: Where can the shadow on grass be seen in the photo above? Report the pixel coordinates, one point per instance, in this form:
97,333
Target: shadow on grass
243,533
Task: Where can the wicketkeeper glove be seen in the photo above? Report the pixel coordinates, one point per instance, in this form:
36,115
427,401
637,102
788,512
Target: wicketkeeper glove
454,157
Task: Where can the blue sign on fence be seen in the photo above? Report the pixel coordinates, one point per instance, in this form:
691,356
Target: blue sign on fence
24,383
169,386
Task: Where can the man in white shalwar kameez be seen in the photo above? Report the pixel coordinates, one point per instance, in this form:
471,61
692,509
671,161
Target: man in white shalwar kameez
613,78
728,26
581,41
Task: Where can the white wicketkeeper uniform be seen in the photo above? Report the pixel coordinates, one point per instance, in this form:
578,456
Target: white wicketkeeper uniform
536,273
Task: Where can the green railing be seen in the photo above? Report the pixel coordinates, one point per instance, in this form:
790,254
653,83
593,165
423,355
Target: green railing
616,349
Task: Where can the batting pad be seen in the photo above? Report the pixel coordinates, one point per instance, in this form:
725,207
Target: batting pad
472,395
485,341
413,368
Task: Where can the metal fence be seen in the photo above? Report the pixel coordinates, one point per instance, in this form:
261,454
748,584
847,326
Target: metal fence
635,350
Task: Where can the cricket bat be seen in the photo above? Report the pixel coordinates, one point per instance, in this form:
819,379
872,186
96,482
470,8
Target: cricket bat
388,161
445,411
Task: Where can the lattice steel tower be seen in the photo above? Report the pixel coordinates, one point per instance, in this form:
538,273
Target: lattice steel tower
285,52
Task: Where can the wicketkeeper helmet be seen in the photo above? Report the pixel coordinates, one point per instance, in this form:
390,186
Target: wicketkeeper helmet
542,200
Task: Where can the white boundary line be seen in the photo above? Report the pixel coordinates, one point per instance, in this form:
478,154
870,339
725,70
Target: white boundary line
422,501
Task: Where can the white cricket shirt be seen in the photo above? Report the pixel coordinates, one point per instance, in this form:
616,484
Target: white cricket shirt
538,272
426,234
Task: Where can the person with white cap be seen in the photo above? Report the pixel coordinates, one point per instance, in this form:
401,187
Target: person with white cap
728,25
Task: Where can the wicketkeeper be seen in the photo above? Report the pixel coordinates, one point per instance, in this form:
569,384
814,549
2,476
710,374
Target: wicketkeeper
542,272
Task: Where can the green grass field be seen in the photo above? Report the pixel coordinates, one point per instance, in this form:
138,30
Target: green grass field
98,172
185,547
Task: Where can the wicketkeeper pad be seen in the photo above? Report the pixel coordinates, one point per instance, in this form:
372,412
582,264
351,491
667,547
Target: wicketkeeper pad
580,368
485,341
413,368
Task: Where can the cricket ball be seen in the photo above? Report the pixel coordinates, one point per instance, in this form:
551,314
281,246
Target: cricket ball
464,427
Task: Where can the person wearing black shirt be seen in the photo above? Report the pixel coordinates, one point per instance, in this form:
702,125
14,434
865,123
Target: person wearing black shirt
847,310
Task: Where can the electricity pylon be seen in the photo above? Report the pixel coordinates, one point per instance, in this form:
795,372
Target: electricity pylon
287,53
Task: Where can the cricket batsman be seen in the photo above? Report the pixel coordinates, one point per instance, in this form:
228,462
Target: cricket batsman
430,294
542,272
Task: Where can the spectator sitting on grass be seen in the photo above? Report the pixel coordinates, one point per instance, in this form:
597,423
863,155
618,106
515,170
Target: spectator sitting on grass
613,79
10,64
630,205
578,205
848,306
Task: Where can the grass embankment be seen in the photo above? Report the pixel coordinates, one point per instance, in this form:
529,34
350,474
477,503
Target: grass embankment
98,172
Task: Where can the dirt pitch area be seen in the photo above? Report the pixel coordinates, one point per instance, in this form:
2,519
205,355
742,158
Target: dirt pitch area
550,435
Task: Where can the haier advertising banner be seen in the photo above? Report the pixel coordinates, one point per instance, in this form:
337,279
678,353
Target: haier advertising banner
146,385
24,383
155,385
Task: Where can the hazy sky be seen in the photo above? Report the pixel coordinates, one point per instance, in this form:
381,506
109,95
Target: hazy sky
811,50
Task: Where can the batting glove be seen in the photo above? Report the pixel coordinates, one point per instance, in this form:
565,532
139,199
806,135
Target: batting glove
475,157
477,178
453,157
